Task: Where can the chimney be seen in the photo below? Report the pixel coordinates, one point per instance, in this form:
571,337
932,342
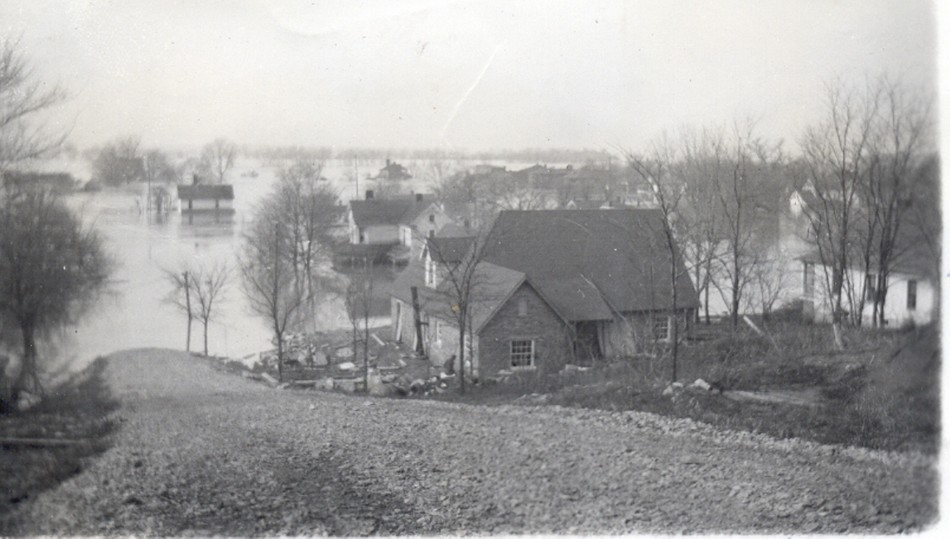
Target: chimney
418,197
369,194
194,178
387,162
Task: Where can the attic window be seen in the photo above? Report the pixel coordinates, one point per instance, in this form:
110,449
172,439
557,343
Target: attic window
431,217
522,307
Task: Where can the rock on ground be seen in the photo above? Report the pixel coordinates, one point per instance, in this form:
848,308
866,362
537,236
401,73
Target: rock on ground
201,452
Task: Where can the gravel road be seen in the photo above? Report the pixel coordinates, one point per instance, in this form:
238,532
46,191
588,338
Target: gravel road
202,452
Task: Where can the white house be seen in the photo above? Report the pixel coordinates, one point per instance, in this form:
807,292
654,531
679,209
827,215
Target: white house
911,297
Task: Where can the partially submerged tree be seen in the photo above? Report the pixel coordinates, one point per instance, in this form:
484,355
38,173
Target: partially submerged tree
51,268
120,162
217,158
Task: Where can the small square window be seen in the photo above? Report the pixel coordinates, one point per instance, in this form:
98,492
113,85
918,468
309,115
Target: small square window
522,353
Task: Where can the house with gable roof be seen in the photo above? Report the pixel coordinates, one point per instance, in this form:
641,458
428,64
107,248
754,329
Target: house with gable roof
401,221
551,287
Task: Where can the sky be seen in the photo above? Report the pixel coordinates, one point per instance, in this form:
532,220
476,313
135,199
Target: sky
466,74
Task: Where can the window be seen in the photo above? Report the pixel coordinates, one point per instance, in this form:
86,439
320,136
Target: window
911,295
438,331
431,217
522,307
522,354
661,328
809,279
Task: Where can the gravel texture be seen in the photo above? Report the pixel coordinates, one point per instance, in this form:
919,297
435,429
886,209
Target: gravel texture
202,452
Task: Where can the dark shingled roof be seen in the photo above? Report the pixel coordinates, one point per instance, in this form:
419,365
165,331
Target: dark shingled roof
206,192
495,285
449,250
388,211
587,263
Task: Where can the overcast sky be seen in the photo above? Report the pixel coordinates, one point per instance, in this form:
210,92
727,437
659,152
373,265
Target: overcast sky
466,74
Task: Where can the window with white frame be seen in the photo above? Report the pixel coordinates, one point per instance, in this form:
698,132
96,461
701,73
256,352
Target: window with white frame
522,353
522,307
661,328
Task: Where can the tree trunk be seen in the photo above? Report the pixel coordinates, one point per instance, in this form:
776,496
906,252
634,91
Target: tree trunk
417,319
366,346
462,355
205,323
28,379
280,357
188,311
675,329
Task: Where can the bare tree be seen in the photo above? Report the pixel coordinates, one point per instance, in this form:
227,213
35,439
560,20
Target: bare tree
51,268
23,98
462,285
358,299
120,162
307,210
217,158
208,285
284,249
835,154
738,193
656,169
700,225
180,296
896,164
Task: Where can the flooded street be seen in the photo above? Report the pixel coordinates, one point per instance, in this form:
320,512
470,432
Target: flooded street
134,312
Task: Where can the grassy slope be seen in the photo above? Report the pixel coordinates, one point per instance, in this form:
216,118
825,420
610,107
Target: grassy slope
882,393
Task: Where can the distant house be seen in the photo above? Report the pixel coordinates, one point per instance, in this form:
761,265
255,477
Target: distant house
393,171
205,198
912,295
552,287
400,220
57,182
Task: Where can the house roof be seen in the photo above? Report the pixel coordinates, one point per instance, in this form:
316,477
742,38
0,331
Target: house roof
574,256
492,286
449,249
206,192
388,211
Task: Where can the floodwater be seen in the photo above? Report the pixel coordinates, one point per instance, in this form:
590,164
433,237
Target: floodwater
134,312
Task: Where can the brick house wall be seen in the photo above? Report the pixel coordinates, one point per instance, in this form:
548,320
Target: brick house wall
539,323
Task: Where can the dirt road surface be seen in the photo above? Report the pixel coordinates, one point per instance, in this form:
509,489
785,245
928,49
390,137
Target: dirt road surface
201,452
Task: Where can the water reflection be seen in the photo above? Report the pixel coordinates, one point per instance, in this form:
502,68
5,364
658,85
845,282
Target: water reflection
135,312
